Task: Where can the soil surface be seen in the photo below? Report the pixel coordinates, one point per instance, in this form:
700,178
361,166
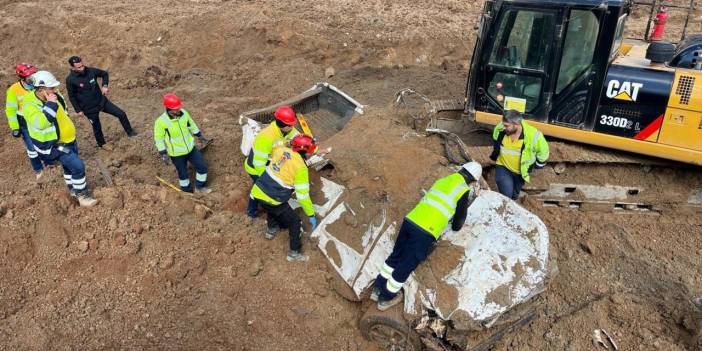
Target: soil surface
153,269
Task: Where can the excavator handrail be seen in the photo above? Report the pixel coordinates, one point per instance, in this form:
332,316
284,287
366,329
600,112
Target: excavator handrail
658,3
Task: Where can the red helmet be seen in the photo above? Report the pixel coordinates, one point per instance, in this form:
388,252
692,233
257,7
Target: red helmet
24,70
172,102
286,115
304,143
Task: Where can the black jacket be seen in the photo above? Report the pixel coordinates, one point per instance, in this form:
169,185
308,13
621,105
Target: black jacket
84,91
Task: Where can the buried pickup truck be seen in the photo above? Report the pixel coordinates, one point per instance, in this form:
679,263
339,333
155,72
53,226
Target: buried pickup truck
480,282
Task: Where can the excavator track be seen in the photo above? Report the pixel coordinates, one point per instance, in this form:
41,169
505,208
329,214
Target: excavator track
578,176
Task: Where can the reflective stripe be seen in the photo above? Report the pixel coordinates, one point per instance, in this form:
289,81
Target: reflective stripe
530,160
168,120
393,285
540,164
438,206
79,181
11,104
386,271
32,154
66,176
51,112
51,129
259,163
302,186
510,152
184,182
448,198
180,148
42,151
277,180
12,119
195,131
259,153
201,177
302,196
456,190
442,196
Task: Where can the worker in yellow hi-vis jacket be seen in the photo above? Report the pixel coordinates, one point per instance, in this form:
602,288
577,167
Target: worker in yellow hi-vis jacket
287,173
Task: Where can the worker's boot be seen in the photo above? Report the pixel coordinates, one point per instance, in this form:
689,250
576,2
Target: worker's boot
39,176
85,200
271,232
297,256
387,304
203,190
374,294
132,133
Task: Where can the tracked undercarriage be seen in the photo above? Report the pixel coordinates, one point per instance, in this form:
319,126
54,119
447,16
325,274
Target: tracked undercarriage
629,183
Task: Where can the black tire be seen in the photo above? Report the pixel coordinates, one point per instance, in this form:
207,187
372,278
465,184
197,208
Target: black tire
660,51
389,330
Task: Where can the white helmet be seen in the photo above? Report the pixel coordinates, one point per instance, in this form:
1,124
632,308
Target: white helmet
44,79
474,168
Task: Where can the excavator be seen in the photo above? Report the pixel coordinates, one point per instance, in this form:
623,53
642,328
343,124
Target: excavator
568,67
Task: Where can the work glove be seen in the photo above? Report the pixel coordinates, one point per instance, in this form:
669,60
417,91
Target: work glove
313,222
16,133
165,158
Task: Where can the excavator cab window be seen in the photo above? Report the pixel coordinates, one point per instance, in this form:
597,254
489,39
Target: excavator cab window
517,64
582,27
618,36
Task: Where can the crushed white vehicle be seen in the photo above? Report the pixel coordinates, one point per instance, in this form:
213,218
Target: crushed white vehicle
483,278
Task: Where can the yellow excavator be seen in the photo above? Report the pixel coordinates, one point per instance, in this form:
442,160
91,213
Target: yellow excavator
566,65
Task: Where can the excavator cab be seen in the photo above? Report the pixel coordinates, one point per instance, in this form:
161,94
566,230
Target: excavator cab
540,57
566,65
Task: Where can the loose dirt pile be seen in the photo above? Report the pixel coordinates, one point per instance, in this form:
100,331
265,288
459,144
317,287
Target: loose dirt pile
153,269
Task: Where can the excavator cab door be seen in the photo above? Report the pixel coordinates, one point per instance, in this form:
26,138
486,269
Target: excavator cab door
540,58
516,60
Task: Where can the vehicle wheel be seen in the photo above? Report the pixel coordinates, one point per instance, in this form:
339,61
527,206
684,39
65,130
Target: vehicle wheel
389,330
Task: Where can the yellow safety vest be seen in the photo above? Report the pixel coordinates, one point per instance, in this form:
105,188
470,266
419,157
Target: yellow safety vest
175,136
13,104
286,172
438,205
265,141
534,149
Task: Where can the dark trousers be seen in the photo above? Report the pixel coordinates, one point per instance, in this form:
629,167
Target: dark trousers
73,168
253,203
33,155
508,183
181,164
411,248
112,109
284,216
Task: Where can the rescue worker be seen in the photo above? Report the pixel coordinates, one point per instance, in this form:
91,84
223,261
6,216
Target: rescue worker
518,148
53,133
276,134
173,135
13,111
90,98
287,172
447,199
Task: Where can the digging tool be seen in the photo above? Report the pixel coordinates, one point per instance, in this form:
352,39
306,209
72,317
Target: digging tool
104,172
166,183
303,123
192,196
206,143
